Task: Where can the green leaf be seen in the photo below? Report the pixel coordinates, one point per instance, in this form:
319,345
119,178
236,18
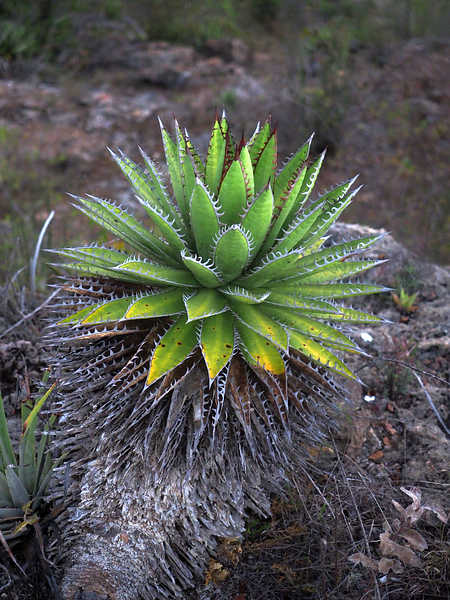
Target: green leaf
156,305
173,348
159,191
107,273
300,322
276,267
253,317
146,185
215,158
297,230
174,237
18,492
114,310
258,351
296,299
258,142
310,178
78,316
7,455
137,178
318,353
199,167
42,464
289,173
203,272
204,219
120,223
332,208
204,303
266,164
233,194
5,496
217,343
257,219
242,295
289,176
283,206
350,315
174,168
188,175
311,263
340,270
341,290
37,408
94,255
231,252
247,170
150,273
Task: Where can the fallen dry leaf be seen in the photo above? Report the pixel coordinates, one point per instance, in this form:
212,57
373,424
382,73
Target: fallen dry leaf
412,513
390,548
387,564
438,511
415,494
365,561
413,538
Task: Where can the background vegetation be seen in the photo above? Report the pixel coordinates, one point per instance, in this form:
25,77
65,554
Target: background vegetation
325,49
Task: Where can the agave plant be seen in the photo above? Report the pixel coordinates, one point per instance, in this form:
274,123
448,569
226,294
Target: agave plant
24,478
211,333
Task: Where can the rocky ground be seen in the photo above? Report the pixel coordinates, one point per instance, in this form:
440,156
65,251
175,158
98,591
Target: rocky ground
372,520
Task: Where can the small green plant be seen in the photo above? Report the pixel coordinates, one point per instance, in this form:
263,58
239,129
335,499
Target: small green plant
24,475
404,301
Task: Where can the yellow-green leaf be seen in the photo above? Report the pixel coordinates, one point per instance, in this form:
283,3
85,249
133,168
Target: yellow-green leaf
217,342
78,316
318,353
231,252
259,351
204,272
204,219
205,303
266,164
309,326
257,219
240,294
233,193
215,158
113,310
173,348
156,305
157,274
253,317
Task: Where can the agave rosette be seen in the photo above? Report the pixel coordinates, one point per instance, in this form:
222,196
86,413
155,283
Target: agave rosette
232,278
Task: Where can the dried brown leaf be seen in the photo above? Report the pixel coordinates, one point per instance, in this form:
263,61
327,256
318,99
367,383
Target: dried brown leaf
413,538
386,564
415,494
414,511
438,511
365,561
390,548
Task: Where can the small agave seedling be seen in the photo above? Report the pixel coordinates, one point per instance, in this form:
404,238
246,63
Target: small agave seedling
24,478
213,334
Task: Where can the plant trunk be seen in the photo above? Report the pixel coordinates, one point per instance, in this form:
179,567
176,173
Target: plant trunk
137,539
